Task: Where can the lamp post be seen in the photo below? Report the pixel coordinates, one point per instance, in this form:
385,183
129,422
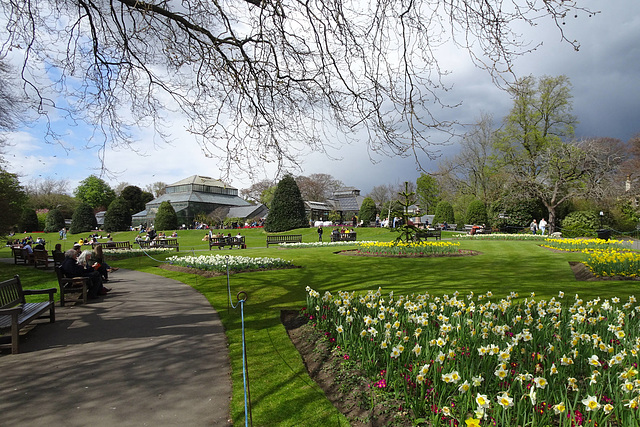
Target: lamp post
601,216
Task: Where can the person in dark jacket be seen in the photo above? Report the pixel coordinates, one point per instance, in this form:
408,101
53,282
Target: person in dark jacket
71,268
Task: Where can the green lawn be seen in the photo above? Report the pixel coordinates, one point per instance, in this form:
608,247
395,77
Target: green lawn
281,392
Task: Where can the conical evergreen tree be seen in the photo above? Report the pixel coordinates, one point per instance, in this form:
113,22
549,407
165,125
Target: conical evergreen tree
166,218
118,216
54,222
444,213
83,219
287,207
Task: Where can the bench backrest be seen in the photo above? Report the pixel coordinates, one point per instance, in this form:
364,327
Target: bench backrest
284,237
113,245
11,293
19,252
41,254
58,257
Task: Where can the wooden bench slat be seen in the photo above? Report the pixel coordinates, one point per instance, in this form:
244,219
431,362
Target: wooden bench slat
276,239
232,241
17,313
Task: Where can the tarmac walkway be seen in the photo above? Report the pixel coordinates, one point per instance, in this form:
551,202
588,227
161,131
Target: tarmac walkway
151,353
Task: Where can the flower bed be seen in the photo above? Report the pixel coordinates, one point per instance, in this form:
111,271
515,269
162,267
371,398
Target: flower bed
611,263
500,236
408,249
455,360
236,263
131,253
577,245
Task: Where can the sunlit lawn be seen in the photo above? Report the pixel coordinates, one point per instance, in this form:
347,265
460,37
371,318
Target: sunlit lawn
281,392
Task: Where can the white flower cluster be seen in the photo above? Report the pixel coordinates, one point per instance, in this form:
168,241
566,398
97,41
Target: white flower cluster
219,262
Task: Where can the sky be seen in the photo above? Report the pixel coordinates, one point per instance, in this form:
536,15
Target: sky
604,73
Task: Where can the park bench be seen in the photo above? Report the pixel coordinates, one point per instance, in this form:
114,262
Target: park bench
21,255
343,237
41,257
113,245
478,230
160,243
276,239
58,258
221,242
425,234
72,285
16,312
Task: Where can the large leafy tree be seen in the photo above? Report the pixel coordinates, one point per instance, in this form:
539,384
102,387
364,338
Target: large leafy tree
135,198
427,192
95,192
368,211
287,207
253,76
166,218
535,147
12,201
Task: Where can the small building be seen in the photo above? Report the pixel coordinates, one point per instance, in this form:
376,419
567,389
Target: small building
346,201
317,211
190,197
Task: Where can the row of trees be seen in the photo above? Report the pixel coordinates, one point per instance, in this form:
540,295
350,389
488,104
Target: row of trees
43,205
532,167
504,176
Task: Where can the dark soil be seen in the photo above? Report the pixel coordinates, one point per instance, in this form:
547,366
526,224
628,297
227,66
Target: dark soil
343,384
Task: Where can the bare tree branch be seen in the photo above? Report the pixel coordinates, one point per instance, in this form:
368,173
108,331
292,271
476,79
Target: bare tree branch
263,81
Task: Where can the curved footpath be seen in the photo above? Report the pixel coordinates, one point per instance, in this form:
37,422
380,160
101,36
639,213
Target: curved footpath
151,353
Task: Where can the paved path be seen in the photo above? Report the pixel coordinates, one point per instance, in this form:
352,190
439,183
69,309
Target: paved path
151,353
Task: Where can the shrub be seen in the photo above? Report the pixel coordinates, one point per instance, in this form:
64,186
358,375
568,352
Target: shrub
580,223
444,213
54,221
476,213
368,211
515,215
83,219
29,221
287,207
166,218
118,216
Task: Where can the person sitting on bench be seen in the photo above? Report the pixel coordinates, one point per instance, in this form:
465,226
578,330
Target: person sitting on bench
70,268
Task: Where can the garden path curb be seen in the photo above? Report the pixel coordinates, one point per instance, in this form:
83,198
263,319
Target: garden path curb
151,353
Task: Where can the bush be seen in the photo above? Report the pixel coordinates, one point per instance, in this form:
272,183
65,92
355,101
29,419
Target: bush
514,215
29,221
166,218
54,221
287,207
580,224
476,213
118,216
368,211
444,213
83,219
